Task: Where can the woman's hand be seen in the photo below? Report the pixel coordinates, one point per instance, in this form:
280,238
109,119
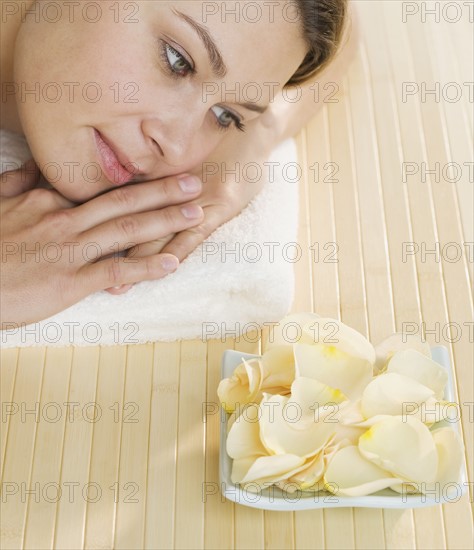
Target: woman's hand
221,200
55,253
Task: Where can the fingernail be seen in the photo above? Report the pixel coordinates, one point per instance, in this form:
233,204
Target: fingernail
169,263
123,287
189,184
192,211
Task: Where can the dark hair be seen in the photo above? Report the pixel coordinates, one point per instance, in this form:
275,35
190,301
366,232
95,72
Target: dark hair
323,27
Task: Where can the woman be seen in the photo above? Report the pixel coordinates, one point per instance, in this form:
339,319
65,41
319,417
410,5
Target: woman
123,104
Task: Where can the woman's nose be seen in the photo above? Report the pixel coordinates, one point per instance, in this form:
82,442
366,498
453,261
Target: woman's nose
174,138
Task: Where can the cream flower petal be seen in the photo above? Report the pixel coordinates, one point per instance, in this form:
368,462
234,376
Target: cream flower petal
370,421
450,459
397,342
405,488
333,333
416,365
433,411
403,446
282,390
231,392
254,371
287,486
351,413
278,367
333,367
309,392
240,467
242,387
310,477
429,412
318,486
290,330
243,439
312,472
350,474
347,435
314,402
281,428
268,469
391,393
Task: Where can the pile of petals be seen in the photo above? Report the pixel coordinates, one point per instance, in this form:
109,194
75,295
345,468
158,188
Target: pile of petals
326,410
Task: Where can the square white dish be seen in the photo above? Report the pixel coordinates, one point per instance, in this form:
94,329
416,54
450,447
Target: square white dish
273,498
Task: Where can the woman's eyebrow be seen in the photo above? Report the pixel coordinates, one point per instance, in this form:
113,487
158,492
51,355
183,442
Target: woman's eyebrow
219,68
217,63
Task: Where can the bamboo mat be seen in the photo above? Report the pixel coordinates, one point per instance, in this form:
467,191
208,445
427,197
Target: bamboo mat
140,468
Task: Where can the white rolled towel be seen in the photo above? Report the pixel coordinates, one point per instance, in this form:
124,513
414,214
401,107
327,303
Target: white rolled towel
240,278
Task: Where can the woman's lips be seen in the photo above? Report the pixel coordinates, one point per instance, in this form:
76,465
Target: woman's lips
114,171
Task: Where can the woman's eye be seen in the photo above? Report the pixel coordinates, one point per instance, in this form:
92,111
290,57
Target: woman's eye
225,118
176,62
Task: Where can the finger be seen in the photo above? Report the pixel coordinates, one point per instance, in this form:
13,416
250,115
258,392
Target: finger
139,197
16,182
188,240
114,272
141,251
127,231
150,248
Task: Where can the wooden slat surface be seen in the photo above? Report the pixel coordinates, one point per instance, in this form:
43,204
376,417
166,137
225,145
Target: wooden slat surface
144,472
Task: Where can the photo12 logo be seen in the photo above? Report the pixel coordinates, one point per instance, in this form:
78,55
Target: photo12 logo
449,12
53,412
70,92
70,11
251,12
252,493
449,92
70,491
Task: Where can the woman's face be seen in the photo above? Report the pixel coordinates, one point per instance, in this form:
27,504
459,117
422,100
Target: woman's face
136,91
